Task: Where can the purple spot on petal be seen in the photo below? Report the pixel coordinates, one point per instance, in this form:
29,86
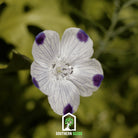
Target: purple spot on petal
97,79
82,36
68,109
40,38
35,82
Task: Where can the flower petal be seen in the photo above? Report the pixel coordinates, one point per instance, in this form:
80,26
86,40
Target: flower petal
87,76
65,94
76,45
68,109
40,77
46,47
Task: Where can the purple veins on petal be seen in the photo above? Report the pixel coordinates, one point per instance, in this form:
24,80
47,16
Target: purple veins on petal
68,109
35,82
82,36
97,79
40,38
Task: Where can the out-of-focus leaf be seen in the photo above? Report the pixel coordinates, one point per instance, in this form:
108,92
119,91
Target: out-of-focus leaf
2,7
5,49
18,62
19,14
34,30
104,21
123,30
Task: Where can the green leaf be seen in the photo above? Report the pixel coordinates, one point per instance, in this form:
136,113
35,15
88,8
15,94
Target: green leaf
18,62
19,14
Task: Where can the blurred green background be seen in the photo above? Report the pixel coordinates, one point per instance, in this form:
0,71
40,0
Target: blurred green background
112,111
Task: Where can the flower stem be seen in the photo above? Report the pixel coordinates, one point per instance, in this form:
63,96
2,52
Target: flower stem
109,32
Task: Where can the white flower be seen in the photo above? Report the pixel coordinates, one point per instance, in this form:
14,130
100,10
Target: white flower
64,70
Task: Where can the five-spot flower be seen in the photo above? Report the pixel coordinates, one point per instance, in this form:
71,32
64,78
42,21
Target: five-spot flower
64,70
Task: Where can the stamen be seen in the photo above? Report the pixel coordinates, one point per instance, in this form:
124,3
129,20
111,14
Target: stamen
67,64
53,65
64,69
61,69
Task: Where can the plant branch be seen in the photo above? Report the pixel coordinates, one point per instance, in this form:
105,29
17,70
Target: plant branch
128,3
109,32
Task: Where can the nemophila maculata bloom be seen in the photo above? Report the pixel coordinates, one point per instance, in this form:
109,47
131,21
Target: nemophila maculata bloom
64,70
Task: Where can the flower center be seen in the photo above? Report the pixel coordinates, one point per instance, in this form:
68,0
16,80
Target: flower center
61,70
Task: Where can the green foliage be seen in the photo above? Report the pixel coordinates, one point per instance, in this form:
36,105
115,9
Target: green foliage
112,111
18,62
69,121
